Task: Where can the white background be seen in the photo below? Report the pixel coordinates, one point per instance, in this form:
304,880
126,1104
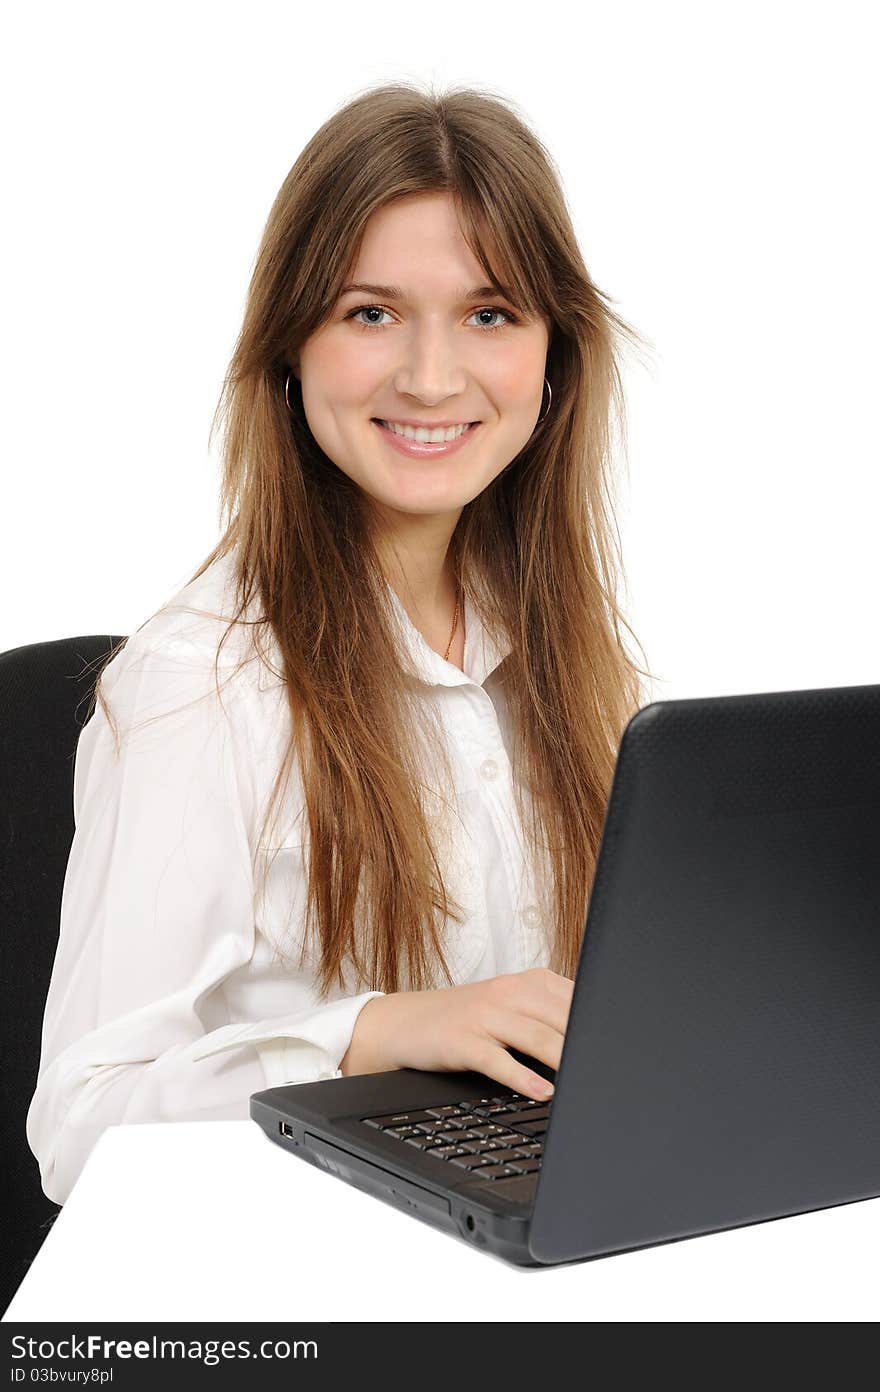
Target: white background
719,161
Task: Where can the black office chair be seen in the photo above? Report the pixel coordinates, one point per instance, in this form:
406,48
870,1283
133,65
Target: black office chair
45,699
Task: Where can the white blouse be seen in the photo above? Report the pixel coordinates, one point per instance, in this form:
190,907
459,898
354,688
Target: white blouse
167,1001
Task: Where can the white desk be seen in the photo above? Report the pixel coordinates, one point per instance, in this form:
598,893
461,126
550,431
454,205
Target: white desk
211,1221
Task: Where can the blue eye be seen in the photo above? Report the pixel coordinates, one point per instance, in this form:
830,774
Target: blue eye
363,310
490,309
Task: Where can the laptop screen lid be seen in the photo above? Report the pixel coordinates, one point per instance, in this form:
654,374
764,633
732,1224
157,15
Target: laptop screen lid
721,1064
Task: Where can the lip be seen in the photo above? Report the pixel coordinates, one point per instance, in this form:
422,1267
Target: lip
426,449
427,425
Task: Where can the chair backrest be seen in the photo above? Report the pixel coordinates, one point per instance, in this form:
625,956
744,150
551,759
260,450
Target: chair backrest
45,699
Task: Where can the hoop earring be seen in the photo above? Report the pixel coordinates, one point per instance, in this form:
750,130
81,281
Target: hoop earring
286,397
549,400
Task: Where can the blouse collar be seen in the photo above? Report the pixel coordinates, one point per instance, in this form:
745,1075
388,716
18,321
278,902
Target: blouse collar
481,654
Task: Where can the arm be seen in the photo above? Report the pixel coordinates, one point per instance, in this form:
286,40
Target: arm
157,914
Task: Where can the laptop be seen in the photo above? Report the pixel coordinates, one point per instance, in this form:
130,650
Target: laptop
721,1064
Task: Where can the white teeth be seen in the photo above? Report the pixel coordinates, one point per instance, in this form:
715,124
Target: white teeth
424,435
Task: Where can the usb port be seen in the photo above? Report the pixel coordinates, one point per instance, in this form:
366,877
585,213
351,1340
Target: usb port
285,1128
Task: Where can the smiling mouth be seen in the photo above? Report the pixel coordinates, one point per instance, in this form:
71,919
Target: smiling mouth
419,448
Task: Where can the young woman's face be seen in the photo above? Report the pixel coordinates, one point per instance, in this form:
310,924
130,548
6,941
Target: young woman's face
429,354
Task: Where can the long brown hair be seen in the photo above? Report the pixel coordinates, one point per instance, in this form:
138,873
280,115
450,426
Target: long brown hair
537,551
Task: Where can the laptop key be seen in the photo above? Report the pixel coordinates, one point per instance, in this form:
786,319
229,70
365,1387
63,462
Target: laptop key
509,1156
384,1123
469,1162
445,1111
496,1172
537,1114
533,1128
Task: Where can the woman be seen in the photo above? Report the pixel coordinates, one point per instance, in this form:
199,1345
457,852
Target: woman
339,802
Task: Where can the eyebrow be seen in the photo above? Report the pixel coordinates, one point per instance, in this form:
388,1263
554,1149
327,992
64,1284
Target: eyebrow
394,292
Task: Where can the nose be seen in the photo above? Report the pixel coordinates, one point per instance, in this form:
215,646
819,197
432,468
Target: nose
431,365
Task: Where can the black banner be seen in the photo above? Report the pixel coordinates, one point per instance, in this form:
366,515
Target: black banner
123,1355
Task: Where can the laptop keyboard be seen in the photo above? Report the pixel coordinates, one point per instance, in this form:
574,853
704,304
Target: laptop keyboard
493,1138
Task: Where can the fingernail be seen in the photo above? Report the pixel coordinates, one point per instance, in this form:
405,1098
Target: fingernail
546,1089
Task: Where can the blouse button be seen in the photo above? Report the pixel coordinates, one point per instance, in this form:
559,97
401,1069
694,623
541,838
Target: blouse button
489,768
532,915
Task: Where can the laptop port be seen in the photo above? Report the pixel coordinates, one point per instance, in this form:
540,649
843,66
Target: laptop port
285,1128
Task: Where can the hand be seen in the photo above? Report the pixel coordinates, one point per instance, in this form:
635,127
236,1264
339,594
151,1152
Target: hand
463,1028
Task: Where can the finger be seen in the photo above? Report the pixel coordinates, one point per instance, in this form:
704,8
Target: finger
533,1037
496,1063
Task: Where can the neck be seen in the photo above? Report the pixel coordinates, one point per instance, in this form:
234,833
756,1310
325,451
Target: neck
418,564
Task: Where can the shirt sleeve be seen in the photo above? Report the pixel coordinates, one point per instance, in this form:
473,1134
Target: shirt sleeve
157,910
